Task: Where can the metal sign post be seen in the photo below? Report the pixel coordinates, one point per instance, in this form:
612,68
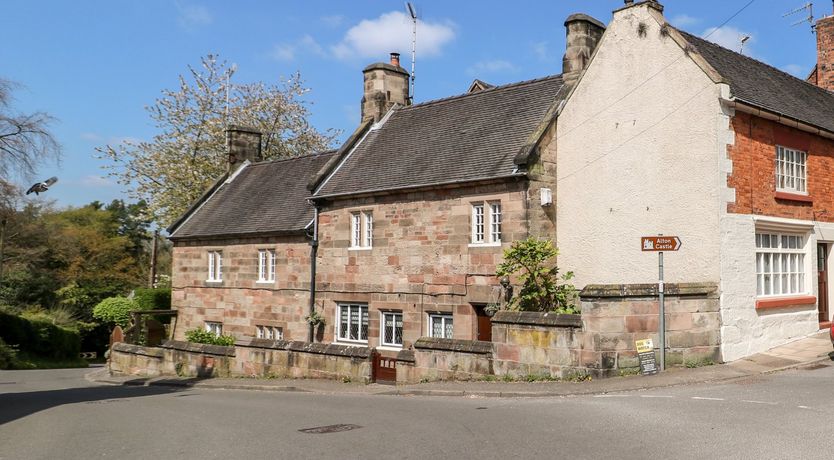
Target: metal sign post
659,244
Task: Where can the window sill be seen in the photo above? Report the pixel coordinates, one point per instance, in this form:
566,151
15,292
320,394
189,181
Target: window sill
265,282
780,302
214,281
790,196
360,248
390,347
484,245
357,343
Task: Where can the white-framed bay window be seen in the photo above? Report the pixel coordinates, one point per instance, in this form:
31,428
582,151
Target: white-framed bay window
791,170
361,230
215,266
486,223
441,325
352,322
780,264
266,265
391,332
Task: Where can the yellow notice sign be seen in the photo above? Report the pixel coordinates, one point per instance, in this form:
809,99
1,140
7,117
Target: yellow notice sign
644,346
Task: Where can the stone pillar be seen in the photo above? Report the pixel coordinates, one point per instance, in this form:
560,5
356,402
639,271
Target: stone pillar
384,85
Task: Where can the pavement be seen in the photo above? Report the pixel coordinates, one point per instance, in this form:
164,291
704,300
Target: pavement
806,352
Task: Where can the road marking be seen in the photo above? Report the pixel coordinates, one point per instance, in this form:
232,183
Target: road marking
707,399
803,407
656,396
759,402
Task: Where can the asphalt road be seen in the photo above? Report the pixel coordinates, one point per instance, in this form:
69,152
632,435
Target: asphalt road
59,415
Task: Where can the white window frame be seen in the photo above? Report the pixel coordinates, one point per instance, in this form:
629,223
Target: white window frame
780,264
486,223
355,310
214,327
215,266
444,318
266,265
791,170
383,325
270,332
361,230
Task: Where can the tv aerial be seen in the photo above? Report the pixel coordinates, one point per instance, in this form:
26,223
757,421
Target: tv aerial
412,12
809,18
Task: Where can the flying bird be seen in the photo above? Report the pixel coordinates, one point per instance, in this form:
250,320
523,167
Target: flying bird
41,187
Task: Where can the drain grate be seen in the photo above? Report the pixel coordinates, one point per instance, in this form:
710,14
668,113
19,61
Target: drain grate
330,428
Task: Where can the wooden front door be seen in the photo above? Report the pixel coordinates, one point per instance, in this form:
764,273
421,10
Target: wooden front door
385,369
822,281
484,324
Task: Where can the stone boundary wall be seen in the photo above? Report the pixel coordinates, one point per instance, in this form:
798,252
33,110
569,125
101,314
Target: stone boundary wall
614,316
248,358
436,358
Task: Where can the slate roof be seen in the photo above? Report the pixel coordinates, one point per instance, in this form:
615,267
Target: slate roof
463,138
769,88
264,198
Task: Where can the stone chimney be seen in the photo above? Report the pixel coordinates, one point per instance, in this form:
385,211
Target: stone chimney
823,75
242,144
385,85
583,35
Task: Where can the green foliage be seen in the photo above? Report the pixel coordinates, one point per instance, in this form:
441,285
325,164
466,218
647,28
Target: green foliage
39,337
542,289
8,356
152,299
203,336
115,310
315,319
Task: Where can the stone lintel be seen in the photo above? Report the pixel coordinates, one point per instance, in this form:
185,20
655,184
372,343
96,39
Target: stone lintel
648,290
457,345
535,318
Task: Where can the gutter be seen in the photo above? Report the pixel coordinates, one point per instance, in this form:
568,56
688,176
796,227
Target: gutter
775,115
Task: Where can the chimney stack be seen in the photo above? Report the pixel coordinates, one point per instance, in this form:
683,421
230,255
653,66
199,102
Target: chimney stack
242,144
583,35
823,75
384,86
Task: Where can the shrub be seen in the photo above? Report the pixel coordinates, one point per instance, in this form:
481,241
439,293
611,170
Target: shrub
39,337
152,299
203,336
115,310
541,290
8,356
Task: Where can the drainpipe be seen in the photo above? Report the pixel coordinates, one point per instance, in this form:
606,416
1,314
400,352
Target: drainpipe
314,247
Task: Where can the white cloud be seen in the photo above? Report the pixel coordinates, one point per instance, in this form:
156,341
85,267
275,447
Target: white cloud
684,20
289,51
94,181
333,21
391,32
542,51
797,70
192,16
730,38
491,67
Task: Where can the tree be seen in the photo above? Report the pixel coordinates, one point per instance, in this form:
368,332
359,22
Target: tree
25,140
530,260
188,153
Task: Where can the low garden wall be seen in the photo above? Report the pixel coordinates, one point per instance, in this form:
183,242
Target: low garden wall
445,359
248,358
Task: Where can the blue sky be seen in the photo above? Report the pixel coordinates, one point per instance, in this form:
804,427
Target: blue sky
96,64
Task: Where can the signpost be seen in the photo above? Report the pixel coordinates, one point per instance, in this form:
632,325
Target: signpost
659,244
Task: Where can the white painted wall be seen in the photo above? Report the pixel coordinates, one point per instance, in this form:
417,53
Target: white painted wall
639,154
745,330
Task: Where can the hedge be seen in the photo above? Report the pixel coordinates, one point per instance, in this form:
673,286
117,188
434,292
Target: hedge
152,299
38,337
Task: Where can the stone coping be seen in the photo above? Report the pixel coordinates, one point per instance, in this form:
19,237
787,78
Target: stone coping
457,345
406,356
535,318
331,349
137,350
648,290
217,350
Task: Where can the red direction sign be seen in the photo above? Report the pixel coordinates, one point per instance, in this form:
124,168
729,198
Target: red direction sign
660,243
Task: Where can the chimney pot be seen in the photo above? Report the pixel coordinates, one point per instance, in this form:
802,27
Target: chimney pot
395,59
